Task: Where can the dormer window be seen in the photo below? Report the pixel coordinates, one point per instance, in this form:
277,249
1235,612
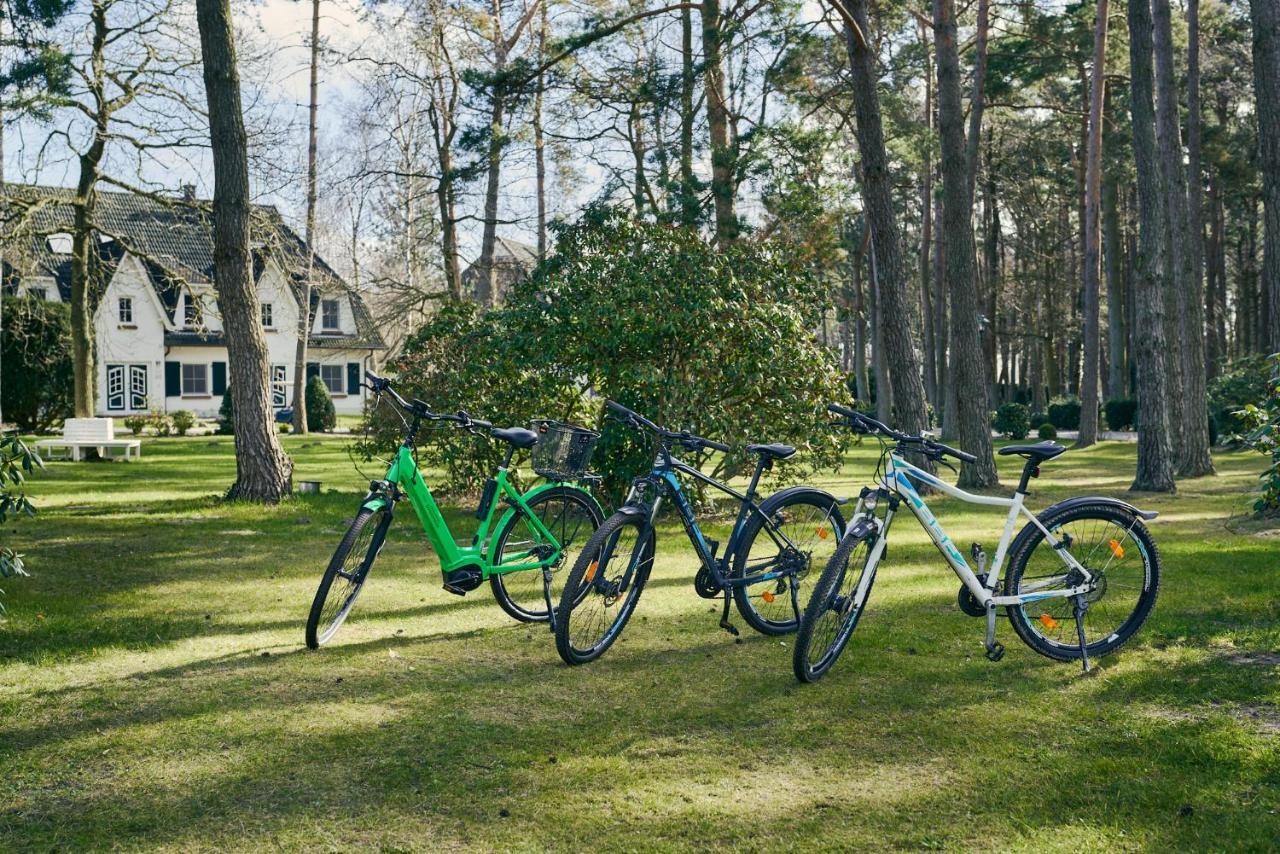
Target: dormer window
60,243
191,314
329,315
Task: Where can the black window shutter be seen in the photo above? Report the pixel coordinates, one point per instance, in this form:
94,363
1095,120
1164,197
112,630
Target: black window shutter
313,370
173,379
219,377
353,377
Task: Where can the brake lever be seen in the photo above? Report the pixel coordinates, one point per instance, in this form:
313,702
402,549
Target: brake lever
939,459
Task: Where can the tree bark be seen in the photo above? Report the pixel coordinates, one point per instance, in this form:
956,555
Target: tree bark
969,376
688,199
263,471
1195,178
723,155
486,278
1155,449
978,98
931,379
1111,246
304,308
1266,85
539,155
1192,421
896,333
1092,235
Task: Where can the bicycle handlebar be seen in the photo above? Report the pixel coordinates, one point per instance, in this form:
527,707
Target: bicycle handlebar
685,438
866,424
418,409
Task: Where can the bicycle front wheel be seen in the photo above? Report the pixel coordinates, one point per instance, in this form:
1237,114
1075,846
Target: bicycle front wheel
1117,549
834,608
572,517
796,532
345,576
602,589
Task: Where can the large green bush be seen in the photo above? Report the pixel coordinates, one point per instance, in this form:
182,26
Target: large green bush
1241,382
1013,420
1064,413
1121,413
35,363
718,342
17,462
1262,421
321,416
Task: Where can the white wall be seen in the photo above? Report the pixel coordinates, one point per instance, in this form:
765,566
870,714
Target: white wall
141,342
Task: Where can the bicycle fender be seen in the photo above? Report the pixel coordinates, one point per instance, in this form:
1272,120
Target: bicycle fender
781,495
375,502
1146,515
535,492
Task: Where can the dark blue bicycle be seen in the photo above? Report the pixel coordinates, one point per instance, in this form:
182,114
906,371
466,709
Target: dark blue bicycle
763,574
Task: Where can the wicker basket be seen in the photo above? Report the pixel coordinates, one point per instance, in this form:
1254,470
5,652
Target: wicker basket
563,451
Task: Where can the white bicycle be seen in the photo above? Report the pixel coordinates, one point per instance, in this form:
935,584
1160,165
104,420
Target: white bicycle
1083,575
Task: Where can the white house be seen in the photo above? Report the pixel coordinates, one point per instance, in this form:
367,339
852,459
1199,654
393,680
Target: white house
157,326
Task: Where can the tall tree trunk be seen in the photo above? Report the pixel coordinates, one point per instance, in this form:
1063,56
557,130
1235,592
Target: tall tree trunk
978,98
884,390
1195,178
1092,235
539,155
1192,423
1155,448
688,186
263,471
991,256
877,191
859,316
304,309
1266,86
926,234
486,275
723,154
973,427
1111,246
944,407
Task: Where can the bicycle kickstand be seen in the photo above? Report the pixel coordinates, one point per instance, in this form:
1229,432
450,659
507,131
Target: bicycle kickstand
1080,606
724,615
546,595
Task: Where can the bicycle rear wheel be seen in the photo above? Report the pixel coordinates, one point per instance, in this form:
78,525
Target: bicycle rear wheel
345,576
1116,547
835,608
602,589
811,523
572,517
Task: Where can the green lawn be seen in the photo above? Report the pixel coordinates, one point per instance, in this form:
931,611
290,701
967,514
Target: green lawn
155,692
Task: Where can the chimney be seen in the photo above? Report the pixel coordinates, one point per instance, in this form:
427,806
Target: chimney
188,192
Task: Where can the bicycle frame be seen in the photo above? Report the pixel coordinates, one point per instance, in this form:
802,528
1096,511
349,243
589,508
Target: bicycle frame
897,480
404,480
663,477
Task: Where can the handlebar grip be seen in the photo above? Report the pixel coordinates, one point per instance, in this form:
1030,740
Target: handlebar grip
958,454
618,408
717,446
483,425
841,410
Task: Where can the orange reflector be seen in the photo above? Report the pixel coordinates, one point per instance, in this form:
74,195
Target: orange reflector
823,533
591,570
1049,622
1116,548
768,597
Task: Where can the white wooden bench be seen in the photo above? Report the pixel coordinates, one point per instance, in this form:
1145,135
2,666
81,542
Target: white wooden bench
82,434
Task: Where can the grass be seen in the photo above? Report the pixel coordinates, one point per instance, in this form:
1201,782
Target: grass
154,692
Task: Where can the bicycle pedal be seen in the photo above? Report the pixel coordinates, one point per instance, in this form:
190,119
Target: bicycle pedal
730,628
454,589
995,652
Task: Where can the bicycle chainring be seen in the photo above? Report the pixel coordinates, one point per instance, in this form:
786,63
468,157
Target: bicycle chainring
968,602
705,585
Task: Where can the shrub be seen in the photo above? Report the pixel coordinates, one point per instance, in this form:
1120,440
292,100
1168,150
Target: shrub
16,463
1121,412
1241,382
1013,420
732,359
1064,413
160,423
226,415
1038,418
321,416
136,423
183,420
1262,418
1047,431
35,363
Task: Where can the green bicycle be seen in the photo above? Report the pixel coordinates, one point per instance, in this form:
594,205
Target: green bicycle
539,533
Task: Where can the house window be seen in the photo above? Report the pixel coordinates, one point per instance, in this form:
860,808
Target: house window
195,380
60,243
191,313
268,317
279,387
126,309
331,376
329,315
